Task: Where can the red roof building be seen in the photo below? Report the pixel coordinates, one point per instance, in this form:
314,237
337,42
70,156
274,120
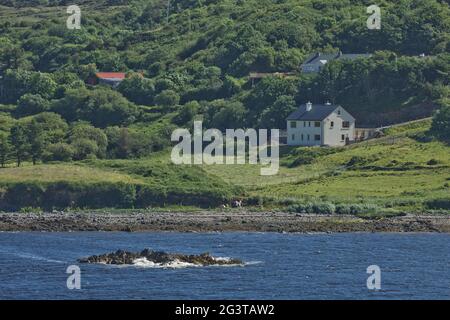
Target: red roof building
110,78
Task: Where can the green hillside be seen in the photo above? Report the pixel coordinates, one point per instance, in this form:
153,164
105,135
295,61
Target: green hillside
78,144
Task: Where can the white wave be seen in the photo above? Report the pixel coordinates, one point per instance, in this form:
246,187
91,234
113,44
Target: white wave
176,264
251,263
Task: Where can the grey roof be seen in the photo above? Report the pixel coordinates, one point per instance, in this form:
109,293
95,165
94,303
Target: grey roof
317,57
318,112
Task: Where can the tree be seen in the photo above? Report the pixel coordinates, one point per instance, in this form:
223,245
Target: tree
440,127
88,140
119,142
30,104
42,84
223,115
19,140
5,148
167,98
265,93
36,139
275,115
58,152
187,113
84,149
12,56
102,107
137,89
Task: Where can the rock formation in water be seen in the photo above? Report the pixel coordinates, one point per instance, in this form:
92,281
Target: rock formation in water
121,257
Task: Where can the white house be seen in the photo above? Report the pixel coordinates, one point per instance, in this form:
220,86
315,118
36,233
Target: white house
320,125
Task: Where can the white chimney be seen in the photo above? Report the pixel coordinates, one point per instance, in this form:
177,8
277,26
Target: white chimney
309,106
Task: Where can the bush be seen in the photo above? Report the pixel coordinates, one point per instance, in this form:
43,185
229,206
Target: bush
441,122
30,104
167,98
438,204
21,195
319,208
324,208
356,208
58,152
66,194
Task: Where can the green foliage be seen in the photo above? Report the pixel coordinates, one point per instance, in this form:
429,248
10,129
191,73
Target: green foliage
58,152
187,113
222,115
441,122
358,208
275,115
31,104
5,148
167,98
20,142
101,107
87,141
318,208
137,89
439,204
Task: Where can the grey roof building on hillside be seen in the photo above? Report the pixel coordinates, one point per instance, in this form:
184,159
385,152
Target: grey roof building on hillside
320,125
315,62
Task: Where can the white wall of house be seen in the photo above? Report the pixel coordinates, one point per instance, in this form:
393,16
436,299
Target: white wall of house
305,133
330,132
335,133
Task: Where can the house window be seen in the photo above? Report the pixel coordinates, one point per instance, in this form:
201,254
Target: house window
345,124
302,136
339,112
293,137
308,137
293,124
304,123
317,137
332,124
317,124
309,124
342,137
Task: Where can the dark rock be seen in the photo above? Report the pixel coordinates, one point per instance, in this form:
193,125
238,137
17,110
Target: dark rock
124,257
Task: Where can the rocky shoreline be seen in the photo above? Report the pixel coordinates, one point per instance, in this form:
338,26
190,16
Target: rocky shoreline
212,221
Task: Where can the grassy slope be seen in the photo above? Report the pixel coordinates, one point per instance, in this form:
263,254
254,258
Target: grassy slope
391,171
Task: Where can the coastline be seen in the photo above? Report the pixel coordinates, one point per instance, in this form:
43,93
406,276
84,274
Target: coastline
223,221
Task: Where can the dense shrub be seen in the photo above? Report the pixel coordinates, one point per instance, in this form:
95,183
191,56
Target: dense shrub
438,204
319,208
355,208
62,195
67,194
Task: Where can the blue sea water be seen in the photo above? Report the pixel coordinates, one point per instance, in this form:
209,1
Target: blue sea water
278,266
